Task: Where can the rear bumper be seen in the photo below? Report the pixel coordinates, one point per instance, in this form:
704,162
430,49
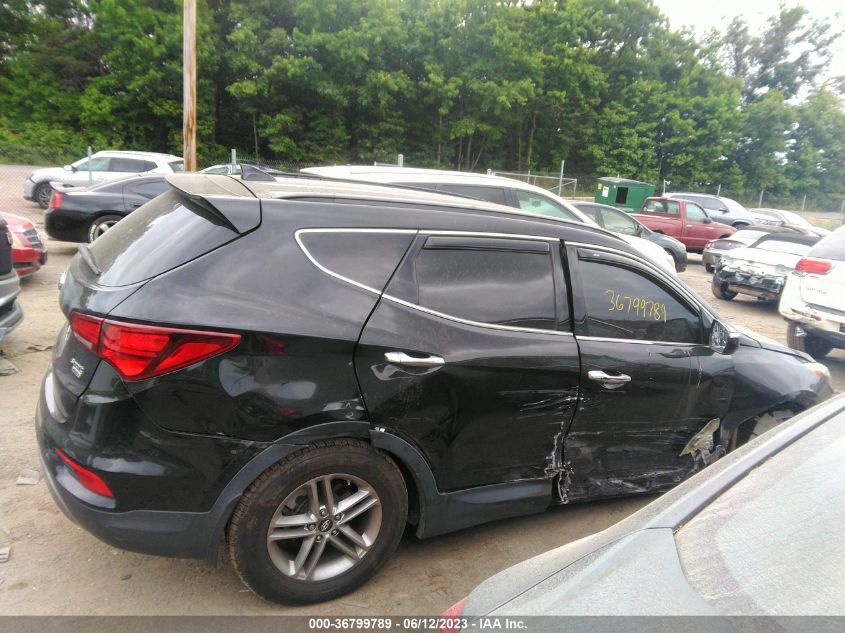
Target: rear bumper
761,286
823,322
711,257
165,532
67,226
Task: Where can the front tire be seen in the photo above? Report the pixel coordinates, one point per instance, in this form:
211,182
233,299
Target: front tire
318,524
721,292
42,193
102,224
758,425
803,341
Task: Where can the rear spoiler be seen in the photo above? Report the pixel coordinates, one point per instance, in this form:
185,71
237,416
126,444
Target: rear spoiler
224,197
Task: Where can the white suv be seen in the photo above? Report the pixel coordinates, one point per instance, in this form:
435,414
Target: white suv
504,191
813,299
102,166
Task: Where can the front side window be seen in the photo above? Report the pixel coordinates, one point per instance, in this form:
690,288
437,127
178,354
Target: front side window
535,203
487,284
625,303
695,212
591,211
101,163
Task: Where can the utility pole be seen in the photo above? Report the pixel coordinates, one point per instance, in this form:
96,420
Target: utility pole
189,84
760,199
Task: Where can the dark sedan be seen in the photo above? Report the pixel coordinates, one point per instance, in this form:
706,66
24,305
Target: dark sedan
82,214
753,535
618,221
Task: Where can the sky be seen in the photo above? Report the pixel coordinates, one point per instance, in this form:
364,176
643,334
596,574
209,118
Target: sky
703,15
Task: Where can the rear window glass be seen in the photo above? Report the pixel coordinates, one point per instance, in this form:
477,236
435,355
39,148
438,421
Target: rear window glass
831,247
491,194
160,235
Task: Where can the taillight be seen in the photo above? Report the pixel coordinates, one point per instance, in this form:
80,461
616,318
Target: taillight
450,620
87,478
814,266
144,351
56,200
710,245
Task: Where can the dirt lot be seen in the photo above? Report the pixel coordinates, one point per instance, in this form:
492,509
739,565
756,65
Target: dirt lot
58,569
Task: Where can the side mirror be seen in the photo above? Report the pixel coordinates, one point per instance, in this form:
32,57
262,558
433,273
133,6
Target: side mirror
69,168
723,210
722,340
707,220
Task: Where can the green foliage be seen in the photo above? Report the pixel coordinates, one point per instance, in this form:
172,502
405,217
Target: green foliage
606,85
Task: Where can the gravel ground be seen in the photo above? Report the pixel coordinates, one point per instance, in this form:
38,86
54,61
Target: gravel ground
57,568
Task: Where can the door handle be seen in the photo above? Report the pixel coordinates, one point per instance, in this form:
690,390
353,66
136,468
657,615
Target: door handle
401,358
611,382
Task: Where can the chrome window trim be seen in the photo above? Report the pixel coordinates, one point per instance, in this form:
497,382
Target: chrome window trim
607,339
414,306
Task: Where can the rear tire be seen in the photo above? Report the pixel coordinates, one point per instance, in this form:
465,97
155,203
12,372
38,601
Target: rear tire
721,292
42,193
803,341
292,542
710,268
100,225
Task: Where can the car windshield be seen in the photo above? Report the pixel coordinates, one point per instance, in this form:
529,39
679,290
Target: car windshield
782,246
733,206
767,545
831,246
794,218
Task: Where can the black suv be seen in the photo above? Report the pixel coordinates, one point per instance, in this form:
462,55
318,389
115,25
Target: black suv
301,368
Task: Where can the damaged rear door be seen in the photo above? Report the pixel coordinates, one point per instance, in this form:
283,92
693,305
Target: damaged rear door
469,357
643,351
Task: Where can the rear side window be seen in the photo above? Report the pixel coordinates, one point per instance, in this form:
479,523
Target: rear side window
365,257
669,207
490,194
831,246
130,165
535,203
500,284
162,234
624,303
592,212
151,188
177,165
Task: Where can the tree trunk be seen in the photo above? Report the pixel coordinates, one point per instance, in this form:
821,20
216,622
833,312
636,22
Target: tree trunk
530,150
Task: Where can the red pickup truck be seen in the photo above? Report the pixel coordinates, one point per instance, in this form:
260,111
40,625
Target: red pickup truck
684,220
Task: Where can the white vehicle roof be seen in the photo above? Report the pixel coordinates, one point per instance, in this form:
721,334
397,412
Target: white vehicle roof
135,154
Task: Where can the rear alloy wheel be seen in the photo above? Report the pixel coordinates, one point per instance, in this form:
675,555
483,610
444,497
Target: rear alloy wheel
318,524
720,291
42,193
798,338
100,225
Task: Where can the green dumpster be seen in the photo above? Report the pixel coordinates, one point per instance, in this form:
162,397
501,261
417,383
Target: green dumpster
626,194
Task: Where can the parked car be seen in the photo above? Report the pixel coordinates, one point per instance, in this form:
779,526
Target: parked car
10,312
29,253
102,166
392,356
496,189
813,299
618,221
714,249
778,217
750,536
719,208
82,214
760,270
686,221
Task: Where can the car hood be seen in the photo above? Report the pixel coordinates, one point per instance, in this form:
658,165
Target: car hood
17,224
750,337
50,173
764,258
